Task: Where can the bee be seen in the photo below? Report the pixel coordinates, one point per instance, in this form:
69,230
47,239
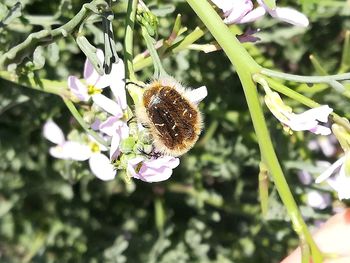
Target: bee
173,120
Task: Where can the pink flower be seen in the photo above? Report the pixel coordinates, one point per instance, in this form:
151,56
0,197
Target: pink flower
241,11
154,170
94,83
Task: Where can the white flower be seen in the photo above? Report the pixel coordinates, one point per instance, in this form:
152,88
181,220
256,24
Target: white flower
96,83
64,149
241,11
340,182
100,165
307,121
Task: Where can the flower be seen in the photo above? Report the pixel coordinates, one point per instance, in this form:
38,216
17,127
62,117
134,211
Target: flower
306,121
341,182
153,170
64,149
96,83
241,11
100,165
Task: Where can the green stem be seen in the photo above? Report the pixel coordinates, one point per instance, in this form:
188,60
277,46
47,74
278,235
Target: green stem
49,86
305,79
246,67
158,68
82,123
129,40
277,86
332,80
140,63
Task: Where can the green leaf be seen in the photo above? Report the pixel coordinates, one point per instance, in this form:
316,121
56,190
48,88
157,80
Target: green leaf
12,14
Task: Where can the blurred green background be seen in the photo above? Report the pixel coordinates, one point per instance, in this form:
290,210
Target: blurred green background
56,211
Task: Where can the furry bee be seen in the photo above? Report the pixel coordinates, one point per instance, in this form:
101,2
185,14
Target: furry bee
172,116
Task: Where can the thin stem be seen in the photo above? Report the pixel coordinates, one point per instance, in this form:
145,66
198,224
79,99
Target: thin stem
305,79
158,68
82,123
332,80
277,86
246,67
140,63
49,86
129,39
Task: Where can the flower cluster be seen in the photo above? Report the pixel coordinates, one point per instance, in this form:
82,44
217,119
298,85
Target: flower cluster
127,145
243,11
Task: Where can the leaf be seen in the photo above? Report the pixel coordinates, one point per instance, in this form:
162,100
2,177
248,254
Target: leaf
12,14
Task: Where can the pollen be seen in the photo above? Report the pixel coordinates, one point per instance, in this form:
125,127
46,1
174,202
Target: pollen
94,147
93,90
173,120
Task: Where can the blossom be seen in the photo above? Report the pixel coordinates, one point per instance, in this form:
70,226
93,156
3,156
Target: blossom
340,182
100,165
307,121
152,170
64,149
94,83
241,11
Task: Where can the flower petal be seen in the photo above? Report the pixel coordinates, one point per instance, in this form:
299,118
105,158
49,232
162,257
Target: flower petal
290,16
319,113
77,151
78,88
197,95
150,175
114,151
132,165
101,167
321,130
224,5
254,15
117,84
168,161
301,125
71,150
239,10
53,133
108,105
326,174
341,184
